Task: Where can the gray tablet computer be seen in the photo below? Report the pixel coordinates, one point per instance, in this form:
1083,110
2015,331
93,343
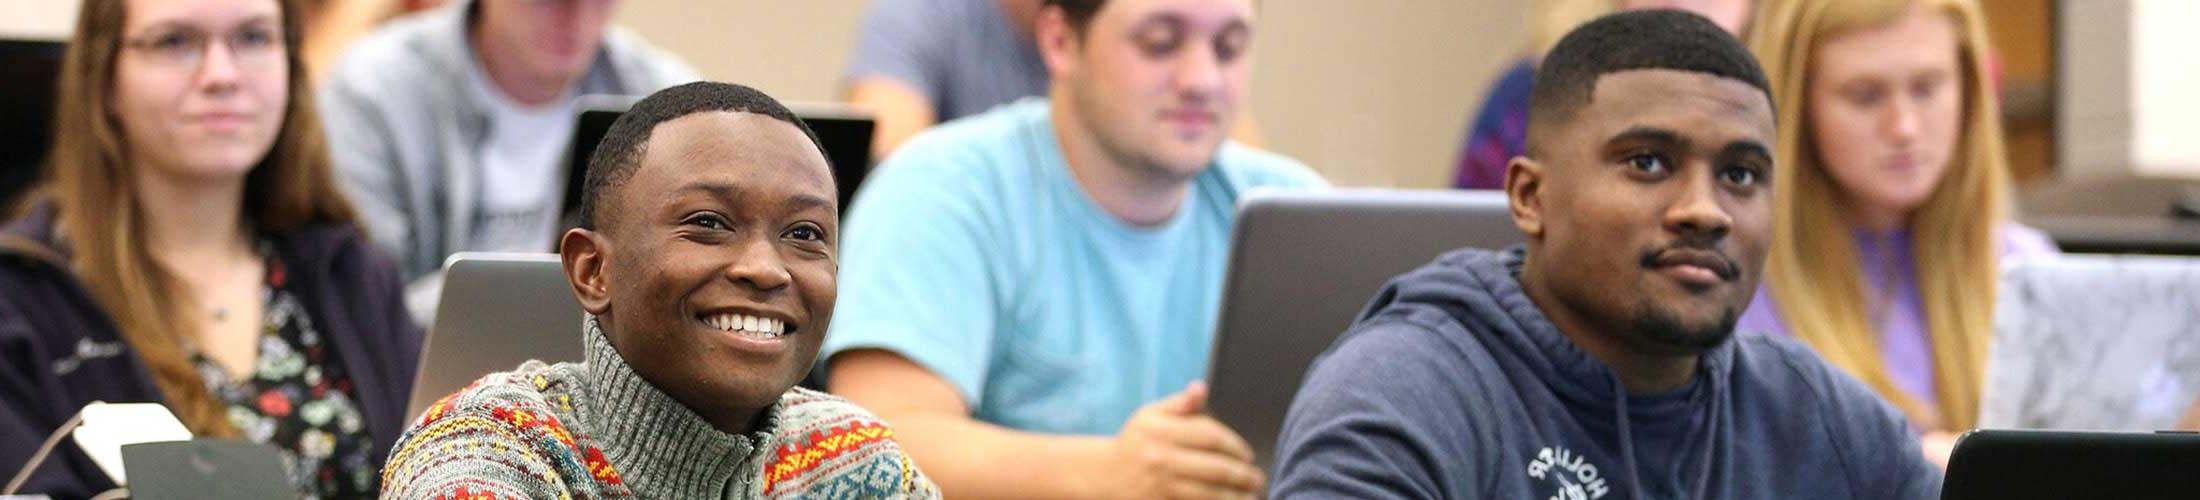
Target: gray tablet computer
1303,265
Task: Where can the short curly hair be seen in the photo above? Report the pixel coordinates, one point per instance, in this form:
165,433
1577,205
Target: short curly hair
622,147
1632,40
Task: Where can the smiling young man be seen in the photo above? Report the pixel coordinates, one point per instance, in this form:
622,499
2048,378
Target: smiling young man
706,260
1032,291
1599,361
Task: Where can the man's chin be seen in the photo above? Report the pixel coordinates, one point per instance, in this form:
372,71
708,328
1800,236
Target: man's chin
1186,161
1685,336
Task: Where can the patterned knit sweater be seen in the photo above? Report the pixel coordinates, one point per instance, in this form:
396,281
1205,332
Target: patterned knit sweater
597,430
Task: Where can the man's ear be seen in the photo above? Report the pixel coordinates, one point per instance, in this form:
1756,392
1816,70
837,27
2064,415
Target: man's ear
584,254
1524,189
1058,42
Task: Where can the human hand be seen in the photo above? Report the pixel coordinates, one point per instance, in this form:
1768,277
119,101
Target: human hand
1172,449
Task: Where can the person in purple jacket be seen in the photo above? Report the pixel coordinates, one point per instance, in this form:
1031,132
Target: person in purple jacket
190,248
1599,362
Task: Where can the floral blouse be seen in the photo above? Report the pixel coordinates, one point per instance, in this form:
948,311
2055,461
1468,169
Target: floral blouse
299,399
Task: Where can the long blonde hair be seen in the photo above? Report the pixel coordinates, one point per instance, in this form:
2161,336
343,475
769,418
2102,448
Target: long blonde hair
1813,270
90,187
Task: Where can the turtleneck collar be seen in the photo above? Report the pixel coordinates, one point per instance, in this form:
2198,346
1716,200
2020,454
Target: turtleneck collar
660,447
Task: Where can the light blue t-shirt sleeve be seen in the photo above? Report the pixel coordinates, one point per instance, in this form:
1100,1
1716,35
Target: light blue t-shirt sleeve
1253,169
902,40
917,276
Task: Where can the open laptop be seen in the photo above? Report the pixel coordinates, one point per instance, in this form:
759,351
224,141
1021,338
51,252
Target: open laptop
2000,464
1303,265
205,469
2095,342
845,133
498,310
28,73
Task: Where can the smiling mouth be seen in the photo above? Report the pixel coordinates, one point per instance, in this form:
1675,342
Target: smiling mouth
746,325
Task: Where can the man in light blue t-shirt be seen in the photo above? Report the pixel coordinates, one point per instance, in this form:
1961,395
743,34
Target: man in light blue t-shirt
1029,294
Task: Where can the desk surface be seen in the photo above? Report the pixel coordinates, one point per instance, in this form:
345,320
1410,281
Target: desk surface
2120,233
2113,215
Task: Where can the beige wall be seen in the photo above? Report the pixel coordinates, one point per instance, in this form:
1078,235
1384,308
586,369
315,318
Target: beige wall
37,19
793,50
1369,92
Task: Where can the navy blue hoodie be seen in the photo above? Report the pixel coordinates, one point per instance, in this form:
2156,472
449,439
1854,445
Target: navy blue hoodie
1453,385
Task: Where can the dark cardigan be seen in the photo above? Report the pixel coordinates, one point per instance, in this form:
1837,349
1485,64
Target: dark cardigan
60,351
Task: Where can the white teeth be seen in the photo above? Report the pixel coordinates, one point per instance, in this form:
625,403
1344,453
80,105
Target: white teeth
759,326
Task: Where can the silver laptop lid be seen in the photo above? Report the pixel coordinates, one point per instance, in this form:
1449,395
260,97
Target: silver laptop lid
497,311
2092,342
1303,265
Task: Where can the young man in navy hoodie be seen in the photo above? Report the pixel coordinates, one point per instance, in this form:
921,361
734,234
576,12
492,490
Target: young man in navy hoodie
1599,362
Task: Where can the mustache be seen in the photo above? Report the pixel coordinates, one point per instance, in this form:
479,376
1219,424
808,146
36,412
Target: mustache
1695,252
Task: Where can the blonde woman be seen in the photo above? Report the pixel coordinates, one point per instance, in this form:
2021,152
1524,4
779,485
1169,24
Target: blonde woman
190,247
1891,215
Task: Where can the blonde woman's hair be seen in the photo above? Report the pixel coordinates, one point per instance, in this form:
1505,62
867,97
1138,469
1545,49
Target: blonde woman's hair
1813,270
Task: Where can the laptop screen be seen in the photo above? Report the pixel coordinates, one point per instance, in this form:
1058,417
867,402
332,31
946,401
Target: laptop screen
28,71
845,133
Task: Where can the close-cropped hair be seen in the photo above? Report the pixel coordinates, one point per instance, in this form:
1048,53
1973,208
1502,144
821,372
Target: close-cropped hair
621,150
1633,40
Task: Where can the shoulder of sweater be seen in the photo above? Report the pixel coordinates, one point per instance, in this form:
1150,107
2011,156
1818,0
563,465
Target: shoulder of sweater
803,412
540,389
827,444
811,419
507,432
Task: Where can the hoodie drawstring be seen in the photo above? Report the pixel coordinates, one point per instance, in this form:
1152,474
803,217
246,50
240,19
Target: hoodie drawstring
1710,436
1626,437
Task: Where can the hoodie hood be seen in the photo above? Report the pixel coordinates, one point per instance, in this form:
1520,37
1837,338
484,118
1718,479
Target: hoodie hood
1481,291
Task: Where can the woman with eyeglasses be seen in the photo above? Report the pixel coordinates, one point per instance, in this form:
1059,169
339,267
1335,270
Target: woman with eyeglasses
188,247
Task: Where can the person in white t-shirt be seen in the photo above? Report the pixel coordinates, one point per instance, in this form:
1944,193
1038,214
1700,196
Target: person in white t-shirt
447,126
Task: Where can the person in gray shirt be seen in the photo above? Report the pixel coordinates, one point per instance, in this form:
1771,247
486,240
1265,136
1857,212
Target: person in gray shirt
921,62
918,63
447,126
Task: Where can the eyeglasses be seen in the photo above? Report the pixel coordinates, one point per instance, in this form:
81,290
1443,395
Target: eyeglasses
250,47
